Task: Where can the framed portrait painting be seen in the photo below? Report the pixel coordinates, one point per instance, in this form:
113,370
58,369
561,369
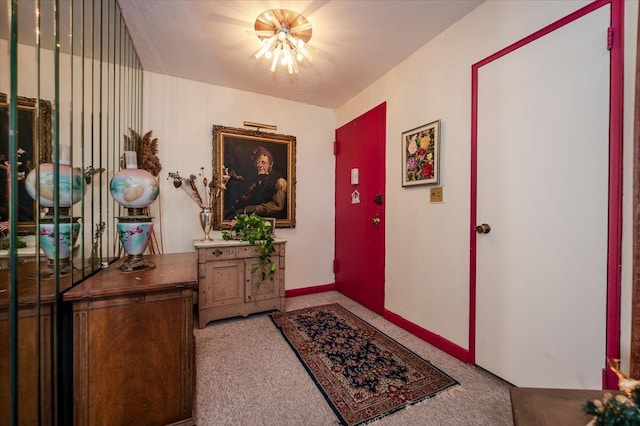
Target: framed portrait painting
264,175
34,146
421,155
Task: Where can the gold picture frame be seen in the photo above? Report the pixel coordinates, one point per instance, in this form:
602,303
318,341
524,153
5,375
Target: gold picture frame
33,131
270,192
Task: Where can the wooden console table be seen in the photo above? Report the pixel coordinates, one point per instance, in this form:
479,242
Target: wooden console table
228,272
29,375
133,344
542,407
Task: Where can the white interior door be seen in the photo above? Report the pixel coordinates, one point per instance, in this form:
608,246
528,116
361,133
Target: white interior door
542,156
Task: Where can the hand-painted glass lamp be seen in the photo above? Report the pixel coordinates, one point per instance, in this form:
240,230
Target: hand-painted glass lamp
134,189
71,186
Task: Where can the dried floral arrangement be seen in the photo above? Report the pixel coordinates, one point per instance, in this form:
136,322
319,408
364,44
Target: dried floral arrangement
146,150
203,191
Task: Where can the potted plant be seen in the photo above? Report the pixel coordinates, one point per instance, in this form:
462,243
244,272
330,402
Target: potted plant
5,240
257,231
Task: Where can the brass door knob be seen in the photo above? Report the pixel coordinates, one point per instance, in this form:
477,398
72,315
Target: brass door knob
375,221
483,229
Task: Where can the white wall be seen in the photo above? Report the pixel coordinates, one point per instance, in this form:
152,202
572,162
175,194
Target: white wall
181,114
432,289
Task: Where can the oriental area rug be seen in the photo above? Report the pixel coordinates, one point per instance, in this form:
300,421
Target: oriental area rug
363,373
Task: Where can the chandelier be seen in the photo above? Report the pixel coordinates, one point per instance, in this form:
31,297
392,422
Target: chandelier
283,34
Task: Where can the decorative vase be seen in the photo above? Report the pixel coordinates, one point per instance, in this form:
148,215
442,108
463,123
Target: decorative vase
134,235
66,233
71,183
206,221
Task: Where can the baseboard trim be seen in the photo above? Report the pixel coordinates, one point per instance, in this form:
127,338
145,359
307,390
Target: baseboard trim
309,290
436,340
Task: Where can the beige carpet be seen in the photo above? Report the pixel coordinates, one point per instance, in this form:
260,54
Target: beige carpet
246,374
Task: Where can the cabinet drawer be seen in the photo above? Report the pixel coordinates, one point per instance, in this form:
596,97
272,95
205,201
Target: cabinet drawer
207,254
225,253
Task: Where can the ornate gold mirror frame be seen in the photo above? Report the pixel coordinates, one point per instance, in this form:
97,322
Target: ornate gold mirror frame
34,139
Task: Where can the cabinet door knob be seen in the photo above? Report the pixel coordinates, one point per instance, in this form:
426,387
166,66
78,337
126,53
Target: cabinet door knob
217,252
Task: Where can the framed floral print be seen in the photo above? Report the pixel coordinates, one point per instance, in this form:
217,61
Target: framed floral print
421,155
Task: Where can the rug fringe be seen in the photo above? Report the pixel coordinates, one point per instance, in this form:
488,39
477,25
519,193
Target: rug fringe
448,393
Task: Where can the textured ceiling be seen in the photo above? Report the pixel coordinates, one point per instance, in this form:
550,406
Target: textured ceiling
354,42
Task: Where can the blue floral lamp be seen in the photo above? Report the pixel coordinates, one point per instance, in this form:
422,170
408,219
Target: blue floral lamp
134,189
71,186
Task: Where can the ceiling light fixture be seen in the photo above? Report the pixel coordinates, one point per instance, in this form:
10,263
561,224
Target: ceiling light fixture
284,35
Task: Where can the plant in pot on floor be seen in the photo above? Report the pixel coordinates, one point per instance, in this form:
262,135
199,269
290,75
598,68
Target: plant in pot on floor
257,231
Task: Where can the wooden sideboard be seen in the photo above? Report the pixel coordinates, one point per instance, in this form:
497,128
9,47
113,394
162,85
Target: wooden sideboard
228,272
133,344
32,372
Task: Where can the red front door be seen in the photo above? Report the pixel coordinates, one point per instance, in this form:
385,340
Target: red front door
360,250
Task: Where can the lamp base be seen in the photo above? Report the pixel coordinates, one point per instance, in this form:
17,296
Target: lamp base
136,262
48,271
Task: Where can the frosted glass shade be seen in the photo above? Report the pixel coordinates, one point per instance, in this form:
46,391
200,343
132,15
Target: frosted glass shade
134,188
71,186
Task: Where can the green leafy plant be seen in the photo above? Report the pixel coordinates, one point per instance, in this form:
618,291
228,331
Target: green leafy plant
5,242
257,231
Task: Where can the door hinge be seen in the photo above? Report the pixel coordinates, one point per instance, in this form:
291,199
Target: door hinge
335,266
609,38
335,147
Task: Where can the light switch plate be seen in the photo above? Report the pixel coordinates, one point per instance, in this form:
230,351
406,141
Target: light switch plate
436,194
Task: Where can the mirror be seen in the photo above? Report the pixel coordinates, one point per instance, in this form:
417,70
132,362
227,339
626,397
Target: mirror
31,131
71,71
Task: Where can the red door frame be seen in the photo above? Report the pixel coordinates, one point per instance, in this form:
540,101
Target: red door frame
609,380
